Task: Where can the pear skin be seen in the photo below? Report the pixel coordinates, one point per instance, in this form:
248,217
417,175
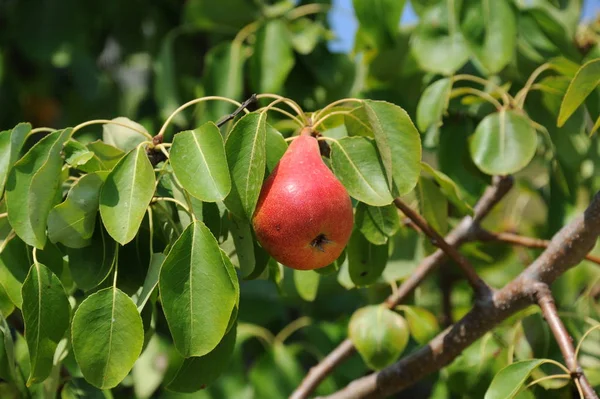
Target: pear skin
304,216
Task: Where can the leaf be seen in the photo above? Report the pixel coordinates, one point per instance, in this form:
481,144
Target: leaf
432,205
76,154
231,15
223,76
199,162
504,142
356,163
78,388
306,34
107,337
377,223
251,257
437,44
275,147
379,19
14,267
126,194
166,90
32,186
122,137
422,323
583,84
307,284
151,280
11,142
433,104
72,222
199,372
105,157
449,189
365,260
246,153
495,49
378,334
46,313
272,59
91,265
507,383
276,373
398,142
197,292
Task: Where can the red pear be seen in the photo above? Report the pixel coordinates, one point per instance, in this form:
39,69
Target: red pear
304,216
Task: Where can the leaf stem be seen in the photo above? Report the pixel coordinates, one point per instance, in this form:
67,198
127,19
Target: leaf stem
109,122
40,130
522,94
307,9
335,103
476,92
34,254
177,202
506,98
289,102
291,328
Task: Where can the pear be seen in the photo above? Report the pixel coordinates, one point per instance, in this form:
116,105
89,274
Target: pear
304,216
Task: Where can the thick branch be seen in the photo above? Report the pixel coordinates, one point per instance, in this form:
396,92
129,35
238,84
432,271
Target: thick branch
479,286
567,248
564,340
460,234
529,242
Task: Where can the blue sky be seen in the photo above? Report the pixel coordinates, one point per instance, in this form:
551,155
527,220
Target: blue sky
344,23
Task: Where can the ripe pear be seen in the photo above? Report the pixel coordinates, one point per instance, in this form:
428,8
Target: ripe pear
304,215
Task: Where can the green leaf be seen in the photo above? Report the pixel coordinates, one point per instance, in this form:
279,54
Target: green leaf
504,143
122,137
199,162
107,337
246,153
379,19
197,292
91,265
437,44
275,147
199,372
151,280
72,222
272,59
76,154
378,334
377,223
46,313
276,373
422,323
497,46
229,15
507,383
306,34
32,186
366,261
11,142
433,104
398,142
356,163
307,284
449,189
251,258
432,205
223,76
78,388
105,157
14,266
582,85
126,194
166,89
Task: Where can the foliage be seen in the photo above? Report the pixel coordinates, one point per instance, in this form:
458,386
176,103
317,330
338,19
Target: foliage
128,264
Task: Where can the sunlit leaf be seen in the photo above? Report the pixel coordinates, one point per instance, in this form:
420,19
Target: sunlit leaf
585,82
121,136
433,104
11,142
307,284
366,261
507,383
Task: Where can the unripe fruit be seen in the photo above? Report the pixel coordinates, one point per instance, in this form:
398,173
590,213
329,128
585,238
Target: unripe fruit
304,216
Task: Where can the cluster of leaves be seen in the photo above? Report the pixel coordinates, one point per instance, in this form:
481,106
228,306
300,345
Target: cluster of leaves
128,276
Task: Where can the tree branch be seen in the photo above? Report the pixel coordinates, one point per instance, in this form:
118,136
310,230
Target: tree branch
459,235
481,289
567,248
564,340
529,242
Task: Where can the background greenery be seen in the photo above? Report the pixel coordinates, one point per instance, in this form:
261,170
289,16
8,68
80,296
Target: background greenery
66,61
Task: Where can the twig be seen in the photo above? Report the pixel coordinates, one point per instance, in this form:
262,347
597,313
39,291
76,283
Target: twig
238,111
481,289
529,242
459,235
564,340
567,248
